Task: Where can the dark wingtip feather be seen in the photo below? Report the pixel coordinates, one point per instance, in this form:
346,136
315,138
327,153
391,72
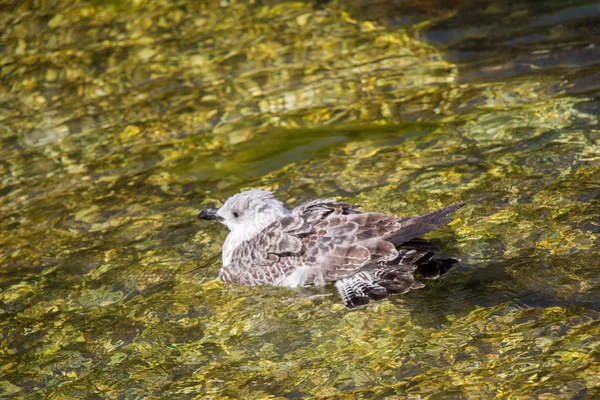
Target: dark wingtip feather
440,214
436,267
414,227
421,245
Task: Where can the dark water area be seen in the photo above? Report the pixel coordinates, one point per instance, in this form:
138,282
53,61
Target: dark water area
120,120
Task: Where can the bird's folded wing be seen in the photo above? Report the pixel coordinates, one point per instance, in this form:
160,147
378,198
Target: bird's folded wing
317,210
269,256
343,243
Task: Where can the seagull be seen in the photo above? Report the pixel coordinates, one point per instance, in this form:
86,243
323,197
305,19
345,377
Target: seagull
367,255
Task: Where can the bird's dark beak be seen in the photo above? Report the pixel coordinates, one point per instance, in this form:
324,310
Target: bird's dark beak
210,214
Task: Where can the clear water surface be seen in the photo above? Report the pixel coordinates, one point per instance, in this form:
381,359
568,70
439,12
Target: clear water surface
120,120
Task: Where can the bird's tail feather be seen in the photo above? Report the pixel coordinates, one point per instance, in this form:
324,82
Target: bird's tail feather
383,280
377,284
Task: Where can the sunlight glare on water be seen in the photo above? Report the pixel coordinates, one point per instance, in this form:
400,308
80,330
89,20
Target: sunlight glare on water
120,120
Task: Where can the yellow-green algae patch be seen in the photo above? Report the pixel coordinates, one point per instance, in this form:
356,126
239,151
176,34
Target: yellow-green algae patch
120,120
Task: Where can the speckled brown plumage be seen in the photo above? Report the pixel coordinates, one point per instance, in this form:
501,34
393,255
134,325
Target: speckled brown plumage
368,255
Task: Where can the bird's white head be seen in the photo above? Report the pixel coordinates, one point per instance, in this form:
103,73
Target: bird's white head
246,214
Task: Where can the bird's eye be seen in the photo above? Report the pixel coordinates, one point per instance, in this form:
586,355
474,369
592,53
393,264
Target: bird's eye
235,215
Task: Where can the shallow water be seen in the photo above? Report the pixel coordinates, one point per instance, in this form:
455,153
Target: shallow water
121,120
